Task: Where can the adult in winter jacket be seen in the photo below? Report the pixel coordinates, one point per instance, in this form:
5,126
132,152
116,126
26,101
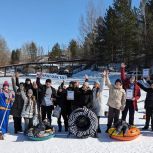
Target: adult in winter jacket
116,101
17,107
97,106
73,96
132,95
6,101
29,111
86,97
148,104
62,102
48,98
38,93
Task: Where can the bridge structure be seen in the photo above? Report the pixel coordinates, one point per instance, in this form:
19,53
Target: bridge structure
51,63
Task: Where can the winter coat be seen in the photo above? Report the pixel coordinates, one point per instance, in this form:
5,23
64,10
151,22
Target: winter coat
117,96
97,105
73,104
86,98
149,96
18,103
126,85
29,108
17,107
42,91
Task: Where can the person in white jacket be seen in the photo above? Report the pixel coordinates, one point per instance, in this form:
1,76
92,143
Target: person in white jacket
97,107
116,101
29,109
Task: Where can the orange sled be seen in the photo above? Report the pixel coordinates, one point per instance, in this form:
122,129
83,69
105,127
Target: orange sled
132,134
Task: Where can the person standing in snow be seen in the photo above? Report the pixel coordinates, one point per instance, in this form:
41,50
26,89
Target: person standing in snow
48,98
17,107
29,109
116,100
6,101
132,95
72,96
148,104
97,100
86,96
62,102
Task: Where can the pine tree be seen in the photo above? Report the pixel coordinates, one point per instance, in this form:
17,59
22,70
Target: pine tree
73,48
149,32
122,32
55,53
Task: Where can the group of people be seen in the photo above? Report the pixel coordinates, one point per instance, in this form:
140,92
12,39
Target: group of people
35,101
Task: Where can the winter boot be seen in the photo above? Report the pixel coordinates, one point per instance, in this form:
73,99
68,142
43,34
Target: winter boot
145,127
98,130
59,126
66,126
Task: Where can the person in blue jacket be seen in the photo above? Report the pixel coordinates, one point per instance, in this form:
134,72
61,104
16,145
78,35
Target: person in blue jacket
6,101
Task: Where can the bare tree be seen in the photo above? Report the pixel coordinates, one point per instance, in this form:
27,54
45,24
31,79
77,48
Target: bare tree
4,52
88,21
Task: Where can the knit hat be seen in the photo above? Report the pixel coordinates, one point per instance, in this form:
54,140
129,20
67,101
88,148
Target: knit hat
30,91
5,84
118,80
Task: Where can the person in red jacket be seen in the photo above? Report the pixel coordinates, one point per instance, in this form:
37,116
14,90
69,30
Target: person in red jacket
132,95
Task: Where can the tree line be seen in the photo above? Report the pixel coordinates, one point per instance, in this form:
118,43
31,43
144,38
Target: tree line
123,34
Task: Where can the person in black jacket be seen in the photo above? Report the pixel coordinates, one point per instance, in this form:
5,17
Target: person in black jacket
85,96
62,102
73,96
37,92
48,98
148,104
17,107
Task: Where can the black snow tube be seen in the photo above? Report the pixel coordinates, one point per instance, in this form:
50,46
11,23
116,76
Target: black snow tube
83,123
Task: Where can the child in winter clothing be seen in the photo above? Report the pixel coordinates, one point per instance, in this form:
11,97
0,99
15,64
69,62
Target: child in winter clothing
29,109
116,101
148,104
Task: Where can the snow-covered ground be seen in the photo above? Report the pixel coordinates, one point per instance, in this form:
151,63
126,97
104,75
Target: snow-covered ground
61,144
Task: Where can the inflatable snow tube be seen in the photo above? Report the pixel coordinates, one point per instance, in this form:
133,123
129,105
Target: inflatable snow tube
45,137
41,136
83,123
131,134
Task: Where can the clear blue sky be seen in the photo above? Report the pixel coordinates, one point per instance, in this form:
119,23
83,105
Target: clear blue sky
43,21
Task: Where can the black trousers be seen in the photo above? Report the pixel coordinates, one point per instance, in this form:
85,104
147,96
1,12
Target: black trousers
17,124
47,110
65,117
149,115
129,107
113,115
